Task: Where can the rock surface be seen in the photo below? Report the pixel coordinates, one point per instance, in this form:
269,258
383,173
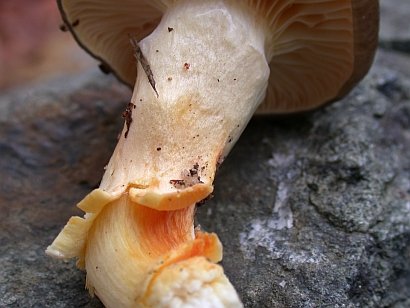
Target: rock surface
394,25
313,210
54,142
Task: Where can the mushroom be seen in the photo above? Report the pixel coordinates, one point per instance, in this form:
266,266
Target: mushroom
204,68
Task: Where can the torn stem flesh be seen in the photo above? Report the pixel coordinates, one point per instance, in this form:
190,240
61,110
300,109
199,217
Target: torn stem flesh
137,241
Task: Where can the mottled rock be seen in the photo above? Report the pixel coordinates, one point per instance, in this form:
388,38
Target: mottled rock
54,142
394,25
313,210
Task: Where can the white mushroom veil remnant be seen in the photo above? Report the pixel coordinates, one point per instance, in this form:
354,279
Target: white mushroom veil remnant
200,70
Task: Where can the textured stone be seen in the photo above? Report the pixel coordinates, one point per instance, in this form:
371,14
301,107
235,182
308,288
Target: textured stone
313,210
394,25
54,142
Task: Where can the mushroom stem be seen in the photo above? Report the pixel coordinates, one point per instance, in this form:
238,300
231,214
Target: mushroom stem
140,257
132,249
201,75
209,69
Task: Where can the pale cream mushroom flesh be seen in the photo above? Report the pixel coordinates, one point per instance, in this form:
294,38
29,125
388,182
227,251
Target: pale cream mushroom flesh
204,68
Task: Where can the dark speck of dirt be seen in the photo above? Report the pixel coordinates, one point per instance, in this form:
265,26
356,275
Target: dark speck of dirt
104,68
192,177
187,66
177,183
170,29
194,170
158,149
127,115
63,28
75,23
188,178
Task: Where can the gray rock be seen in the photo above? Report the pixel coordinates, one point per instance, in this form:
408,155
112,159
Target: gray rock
313,210
54,142
394,25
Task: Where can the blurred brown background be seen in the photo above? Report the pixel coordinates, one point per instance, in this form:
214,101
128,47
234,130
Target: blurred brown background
32,47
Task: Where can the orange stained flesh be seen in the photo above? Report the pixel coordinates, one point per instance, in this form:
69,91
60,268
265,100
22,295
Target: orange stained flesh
162,237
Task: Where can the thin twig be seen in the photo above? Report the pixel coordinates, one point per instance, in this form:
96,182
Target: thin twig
144,63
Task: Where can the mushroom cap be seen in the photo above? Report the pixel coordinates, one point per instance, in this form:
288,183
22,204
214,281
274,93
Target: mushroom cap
317,50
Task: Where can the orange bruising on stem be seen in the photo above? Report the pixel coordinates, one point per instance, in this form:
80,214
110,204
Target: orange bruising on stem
146,239
162,231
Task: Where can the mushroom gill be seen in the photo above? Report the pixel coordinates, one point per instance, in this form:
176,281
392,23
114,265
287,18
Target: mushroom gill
312,53
317,50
